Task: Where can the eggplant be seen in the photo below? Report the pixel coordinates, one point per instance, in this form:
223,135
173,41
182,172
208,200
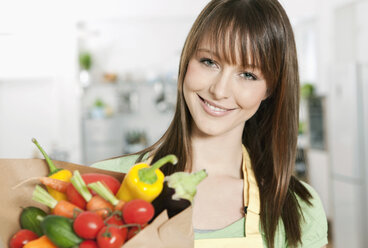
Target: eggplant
178,192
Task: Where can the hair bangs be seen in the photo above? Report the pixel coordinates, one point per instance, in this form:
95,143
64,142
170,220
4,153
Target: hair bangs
230,39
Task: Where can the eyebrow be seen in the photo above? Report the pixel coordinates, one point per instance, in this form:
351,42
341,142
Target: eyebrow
208,51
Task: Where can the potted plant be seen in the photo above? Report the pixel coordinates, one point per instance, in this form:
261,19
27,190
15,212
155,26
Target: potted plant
85,63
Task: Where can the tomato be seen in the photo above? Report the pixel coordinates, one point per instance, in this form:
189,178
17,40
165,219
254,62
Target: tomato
114,220
21,238
88,224
134,231
111,237
88,244
138,211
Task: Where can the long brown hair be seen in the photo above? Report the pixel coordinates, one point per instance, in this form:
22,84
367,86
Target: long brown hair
265,39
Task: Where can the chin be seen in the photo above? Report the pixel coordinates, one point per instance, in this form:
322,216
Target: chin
203,130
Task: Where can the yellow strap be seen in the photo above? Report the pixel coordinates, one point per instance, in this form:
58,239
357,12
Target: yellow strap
251,197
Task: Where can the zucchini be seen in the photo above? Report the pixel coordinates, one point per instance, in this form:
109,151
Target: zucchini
30,218
59,230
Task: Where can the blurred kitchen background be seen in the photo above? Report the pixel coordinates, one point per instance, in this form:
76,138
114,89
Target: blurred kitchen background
97,79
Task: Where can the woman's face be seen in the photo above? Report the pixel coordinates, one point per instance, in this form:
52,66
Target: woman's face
221,97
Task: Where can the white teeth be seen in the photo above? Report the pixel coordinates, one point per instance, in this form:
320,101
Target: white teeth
215,108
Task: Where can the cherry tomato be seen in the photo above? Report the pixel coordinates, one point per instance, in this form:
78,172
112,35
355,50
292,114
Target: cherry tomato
111,237
138,211
21,238
114,220
134,231
88,224
88,244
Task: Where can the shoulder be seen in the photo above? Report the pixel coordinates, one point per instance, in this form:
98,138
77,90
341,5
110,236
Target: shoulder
315,209
120,164
314,222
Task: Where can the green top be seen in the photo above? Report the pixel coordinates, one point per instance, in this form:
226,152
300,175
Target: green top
314,223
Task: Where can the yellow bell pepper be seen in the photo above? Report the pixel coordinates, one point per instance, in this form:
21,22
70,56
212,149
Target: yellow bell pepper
55,173
144,181
63,175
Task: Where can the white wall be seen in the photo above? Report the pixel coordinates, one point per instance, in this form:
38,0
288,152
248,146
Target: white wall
141,46
39,93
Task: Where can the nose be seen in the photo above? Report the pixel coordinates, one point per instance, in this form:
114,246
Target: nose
220,86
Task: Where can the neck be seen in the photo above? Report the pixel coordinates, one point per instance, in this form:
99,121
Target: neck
220,155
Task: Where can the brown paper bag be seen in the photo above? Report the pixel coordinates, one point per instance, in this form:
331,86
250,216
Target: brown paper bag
176,232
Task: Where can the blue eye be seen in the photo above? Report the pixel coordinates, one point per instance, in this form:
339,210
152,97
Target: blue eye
207,62
248,76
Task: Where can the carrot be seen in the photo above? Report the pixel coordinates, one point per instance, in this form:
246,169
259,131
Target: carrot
66,209
100,206
104,192
55,184
94,203
120,205
62,208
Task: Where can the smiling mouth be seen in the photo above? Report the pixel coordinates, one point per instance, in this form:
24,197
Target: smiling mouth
214,107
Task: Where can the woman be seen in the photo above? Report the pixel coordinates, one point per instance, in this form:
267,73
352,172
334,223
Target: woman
237,117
